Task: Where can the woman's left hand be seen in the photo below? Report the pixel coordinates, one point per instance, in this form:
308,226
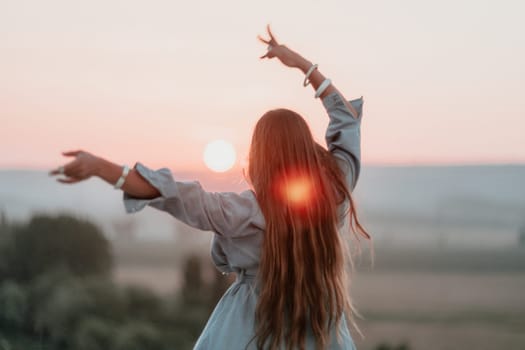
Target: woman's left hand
284,54
82,168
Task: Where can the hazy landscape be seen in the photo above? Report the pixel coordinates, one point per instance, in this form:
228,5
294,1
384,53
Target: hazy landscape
449,246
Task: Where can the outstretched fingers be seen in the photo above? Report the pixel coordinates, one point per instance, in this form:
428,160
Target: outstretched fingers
66,169
70,169
267,55
270,46
55,171
69,180
78,169
272,43
72,153
263,40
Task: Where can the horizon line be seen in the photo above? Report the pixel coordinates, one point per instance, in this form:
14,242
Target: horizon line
363,164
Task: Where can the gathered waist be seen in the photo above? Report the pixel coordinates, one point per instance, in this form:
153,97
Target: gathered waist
244,276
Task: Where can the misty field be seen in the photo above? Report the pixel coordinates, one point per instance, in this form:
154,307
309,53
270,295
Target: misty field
449,257
425,298
442,310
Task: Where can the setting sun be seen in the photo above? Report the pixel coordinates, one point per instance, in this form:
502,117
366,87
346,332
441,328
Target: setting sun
219,155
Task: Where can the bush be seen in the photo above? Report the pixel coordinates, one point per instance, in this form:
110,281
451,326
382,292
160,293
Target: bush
60,294
47,243
60,314
142,304
193,291
13,304
94,334
107,299
4,344
63,308
6,235
198,296
197,290
138,336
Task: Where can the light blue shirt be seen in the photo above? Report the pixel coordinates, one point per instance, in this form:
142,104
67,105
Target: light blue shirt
238,226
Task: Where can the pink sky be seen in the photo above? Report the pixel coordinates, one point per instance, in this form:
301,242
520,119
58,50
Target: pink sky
154,81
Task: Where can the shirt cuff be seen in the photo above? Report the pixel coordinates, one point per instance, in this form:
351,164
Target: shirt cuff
335,100
161,179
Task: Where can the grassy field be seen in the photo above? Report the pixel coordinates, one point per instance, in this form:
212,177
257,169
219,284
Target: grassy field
424,297
442,310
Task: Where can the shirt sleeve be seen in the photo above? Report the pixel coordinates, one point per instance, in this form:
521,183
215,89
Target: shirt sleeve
343,135
225,213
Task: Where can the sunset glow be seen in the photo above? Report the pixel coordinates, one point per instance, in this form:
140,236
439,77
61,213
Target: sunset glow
443,81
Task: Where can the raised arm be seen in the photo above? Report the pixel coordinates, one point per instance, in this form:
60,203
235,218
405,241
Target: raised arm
294,60
343,135
343,132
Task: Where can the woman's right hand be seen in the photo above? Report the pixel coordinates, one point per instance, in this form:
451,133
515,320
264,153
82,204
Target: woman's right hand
86,165
288,57
82,168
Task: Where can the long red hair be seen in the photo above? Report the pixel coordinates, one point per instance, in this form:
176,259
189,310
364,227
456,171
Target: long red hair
303,280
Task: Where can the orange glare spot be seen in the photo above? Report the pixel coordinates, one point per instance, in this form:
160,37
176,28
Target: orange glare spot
298,191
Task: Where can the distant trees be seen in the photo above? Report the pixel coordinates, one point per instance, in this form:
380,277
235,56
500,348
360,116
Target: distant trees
521,237
13,305
386,346
47,243
3,220
94,334
57,293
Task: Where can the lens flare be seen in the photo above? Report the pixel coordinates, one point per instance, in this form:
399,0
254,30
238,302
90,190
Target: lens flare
296,189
